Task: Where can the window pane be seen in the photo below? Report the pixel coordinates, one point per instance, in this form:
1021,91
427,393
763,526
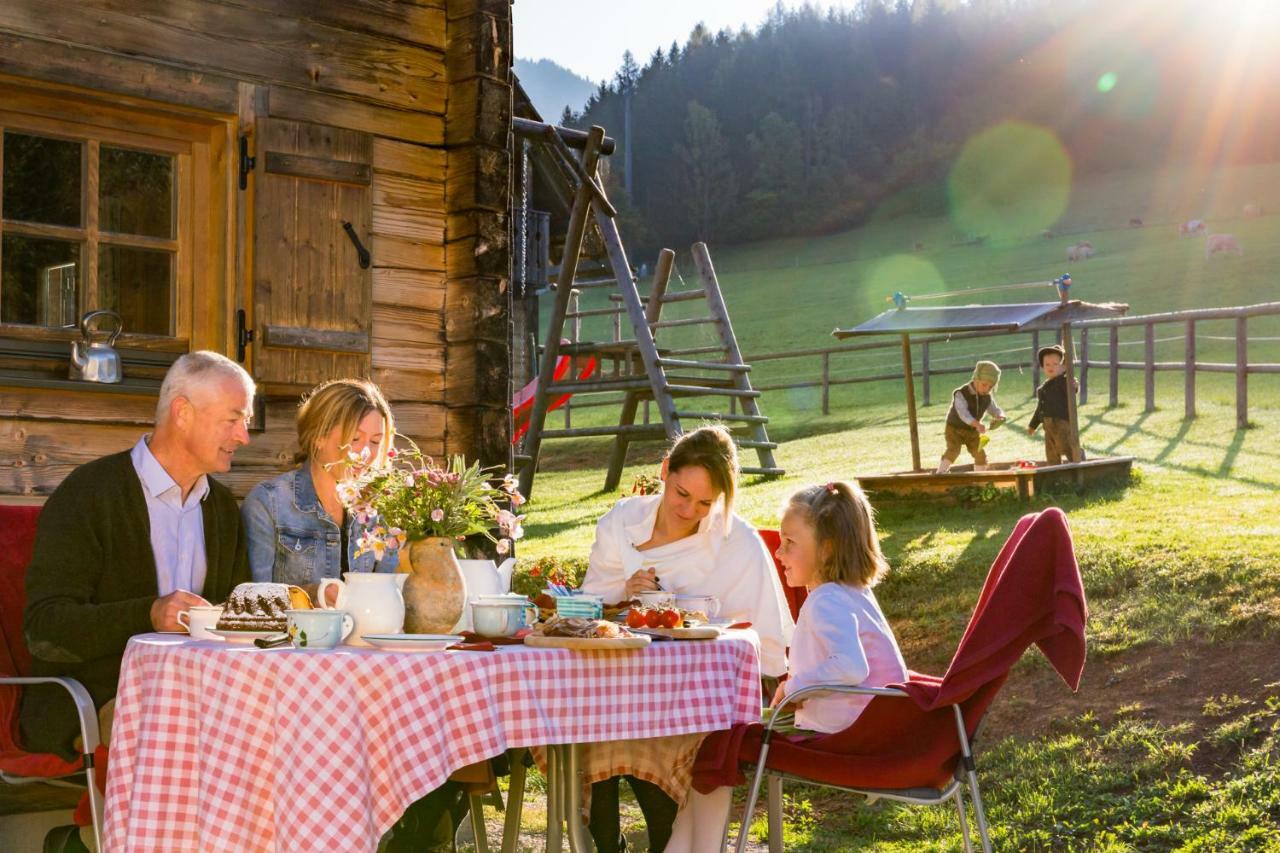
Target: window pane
38,281
136,283
136,192
41,179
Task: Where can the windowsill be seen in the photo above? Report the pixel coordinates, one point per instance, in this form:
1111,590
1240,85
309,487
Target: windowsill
53,358
33,379
138,346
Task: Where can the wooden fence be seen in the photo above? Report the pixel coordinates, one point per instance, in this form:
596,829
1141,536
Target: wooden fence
1023,357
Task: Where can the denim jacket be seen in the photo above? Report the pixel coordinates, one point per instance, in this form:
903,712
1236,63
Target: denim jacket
293,540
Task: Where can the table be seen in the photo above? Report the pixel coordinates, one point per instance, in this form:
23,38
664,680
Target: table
230,747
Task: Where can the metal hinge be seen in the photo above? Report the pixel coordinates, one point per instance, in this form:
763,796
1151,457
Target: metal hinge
244,335
246,162
361,252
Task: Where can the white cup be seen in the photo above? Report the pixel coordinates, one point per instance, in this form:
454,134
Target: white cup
198,621
656,598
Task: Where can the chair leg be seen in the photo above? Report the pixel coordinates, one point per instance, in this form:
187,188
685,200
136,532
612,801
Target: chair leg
515,802
964,821
96,805
775,814
752,797
979,812
476,802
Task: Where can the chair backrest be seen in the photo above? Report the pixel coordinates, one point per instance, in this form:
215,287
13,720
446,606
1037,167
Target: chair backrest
795,594
17,537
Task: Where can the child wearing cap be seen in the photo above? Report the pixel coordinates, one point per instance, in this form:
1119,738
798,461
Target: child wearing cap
1052,409
969,404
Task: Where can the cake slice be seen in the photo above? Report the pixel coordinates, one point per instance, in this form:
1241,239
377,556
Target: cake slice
261,606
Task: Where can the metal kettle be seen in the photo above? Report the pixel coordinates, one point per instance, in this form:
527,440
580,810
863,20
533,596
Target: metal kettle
96,361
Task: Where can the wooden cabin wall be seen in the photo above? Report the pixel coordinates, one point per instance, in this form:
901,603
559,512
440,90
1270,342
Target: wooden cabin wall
428,81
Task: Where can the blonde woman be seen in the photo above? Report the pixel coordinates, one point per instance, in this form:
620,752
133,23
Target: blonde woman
298,530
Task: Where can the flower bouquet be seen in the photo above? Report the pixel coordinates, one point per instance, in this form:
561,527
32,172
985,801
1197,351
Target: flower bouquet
423,510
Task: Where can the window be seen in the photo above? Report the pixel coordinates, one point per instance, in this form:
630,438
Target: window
99,201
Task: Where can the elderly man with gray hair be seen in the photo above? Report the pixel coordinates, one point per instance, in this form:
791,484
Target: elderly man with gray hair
129,541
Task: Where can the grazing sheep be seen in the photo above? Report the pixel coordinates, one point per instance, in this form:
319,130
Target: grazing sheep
1047,234
1084,244
1252,211
1073,253
1214,243
1135,222
1192,227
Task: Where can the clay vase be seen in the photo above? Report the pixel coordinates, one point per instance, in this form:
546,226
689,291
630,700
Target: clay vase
435,593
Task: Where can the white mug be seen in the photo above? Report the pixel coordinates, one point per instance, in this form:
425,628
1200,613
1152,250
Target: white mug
318,629
198,621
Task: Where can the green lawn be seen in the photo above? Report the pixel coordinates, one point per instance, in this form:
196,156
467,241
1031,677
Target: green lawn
1172,741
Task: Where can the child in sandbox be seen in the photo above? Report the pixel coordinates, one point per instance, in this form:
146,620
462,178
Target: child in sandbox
969,404
1052,408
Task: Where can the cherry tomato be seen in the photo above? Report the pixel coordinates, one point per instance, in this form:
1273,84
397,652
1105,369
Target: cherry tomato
671,619
635,618
653,619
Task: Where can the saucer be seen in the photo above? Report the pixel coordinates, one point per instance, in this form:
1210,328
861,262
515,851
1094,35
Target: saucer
412,642
242,636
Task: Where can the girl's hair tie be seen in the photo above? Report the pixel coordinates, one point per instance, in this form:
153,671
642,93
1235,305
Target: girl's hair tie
831,487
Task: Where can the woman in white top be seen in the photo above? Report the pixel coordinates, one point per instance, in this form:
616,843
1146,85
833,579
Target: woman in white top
829,546
685,540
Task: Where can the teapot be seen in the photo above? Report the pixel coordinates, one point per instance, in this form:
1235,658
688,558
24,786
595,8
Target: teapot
374,600
96,361
483,577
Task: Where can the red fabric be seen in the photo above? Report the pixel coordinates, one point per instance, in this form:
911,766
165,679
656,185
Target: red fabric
795,594
17,537
522,403
1033,594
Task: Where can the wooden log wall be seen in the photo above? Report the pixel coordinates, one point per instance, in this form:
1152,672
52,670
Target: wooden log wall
428,81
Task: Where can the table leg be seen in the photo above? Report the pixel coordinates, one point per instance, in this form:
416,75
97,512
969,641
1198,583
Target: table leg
515,801
555,811
579,839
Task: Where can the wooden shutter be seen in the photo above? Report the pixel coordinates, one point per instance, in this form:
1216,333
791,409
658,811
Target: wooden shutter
311,297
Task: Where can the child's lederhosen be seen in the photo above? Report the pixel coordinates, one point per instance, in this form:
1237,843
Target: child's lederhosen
960,434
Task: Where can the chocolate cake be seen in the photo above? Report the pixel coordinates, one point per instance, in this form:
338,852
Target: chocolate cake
261,606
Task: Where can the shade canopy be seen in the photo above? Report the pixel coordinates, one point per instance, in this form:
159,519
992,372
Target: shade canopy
1025,317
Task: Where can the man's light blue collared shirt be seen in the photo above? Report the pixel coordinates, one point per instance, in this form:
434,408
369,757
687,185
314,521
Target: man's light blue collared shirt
177,529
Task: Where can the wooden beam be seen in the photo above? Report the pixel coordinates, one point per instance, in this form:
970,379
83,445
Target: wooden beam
296,337
353,114
318,168
911,403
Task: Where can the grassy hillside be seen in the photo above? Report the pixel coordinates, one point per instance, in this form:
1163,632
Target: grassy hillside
1172,741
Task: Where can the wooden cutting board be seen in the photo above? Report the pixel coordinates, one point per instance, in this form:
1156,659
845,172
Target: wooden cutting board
592,644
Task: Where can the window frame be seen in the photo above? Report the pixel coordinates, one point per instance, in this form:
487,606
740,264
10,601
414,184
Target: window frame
202,272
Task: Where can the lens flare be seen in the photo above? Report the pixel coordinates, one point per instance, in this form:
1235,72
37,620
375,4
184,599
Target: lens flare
1107,82
907,273
1010,181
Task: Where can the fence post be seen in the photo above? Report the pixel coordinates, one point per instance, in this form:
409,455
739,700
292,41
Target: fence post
1035,362
1189,378
1084,366
1242,372
1149,366
826,383
1113,399
924,370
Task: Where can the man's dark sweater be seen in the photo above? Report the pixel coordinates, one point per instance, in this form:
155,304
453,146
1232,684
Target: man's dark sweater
91,584
1051,401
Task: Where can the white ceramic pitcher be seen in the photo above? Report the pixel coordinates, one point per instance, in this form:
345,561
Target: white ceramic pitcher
484,578
374,600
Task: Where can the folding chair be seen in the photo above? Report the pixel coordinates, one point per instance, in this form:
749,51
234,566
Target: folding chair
17,765
912,742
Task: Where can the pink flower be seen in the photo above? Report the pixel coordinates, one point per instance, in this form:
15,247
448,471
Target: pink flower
503,546
437,514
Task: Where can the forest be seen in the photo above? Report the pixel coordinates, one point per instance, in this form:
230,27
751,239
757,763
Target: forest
816,119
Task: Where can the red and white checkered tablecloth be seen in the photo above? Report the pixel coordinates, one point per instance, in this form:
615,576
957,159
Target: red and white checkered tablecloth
231,747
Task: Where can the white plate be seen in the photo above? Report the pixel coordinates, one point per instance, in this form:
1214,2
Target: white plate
412,642
242,636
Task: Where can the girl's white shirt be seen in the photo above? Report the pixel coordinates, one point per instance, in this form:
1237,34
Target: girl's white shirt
725,558
841,637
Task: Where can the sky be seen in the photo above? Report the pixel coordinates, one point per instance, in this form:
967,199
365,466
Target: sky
589,36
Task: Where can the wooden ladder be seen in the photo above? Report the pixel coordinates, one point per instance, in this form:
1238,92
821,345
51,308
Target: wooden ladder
650,374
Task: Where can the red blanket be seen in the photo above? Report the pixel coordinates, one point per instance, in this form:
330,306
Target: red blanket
1033,594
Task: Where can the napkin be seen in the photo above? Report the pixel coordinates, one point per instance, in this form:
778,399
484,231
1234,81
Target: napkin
473,637
478,646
